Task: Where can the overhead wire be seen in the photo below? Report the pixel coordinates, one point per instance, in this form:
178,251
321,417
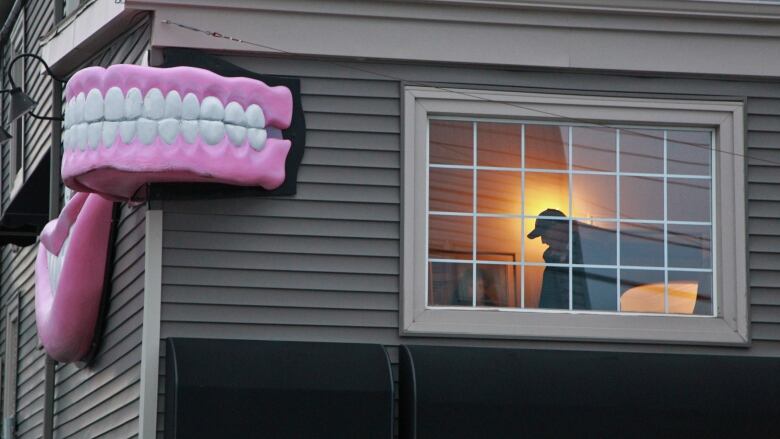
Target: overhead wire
560,117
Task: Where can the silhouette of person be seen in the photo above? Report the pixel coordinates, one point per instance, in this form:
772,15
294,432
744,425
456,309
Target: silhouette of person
555,281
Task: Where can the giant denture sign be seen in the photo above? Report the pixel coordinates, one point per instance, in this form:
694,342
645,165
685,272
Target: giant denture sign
129,125
125,127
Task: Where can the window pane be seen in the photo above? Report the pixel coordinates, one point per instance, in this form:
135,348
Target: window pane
498,285
642,151
593,196
533,285
451,142
689,246
642,291
546,240
598,243
450,237
450,190
689,199
546,147
499,191
689,152
499,144
642,245
449,284
690,293
594,148
595,289
499,239
545,191
642,198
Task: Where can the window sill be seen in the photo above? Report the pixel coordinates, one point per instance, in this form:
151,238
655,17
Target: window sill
575,326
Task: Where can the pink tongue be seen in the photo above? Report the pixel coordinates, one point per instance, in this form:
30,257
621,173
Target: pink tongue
56,231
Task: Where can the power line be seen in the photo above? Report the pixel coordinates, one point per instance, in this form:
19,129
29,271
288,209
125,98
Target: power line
460,92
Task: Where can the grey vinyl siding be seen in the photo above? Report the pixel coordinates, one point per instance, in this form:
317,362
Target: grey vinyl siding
17,264
324,265
103,400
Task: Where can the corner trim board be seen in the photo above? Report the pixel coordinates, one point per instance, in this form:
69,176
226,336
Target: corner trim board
150,338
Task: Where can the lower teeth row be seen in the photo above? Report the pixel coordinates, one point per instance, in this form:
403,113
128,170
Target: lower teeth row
90,135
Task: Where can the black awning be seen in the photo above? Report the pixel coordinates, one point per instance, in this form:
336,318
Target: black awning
28,211
244,388
451,392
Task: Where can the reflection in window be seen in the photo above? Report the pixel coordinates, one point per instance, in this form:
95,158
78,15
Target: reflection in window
642,151
594,149
498,144
451,142
558,217
546,147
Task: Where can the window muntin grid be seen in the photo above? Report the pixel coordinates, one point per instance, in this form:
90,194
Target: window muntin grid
653,167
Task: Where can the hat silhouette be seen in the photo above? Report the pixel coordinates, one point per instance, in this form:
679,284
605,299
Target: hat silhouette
544,224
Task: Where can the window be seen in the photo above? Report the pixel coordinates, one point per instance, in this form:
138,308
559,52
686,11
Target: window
16,157
524,219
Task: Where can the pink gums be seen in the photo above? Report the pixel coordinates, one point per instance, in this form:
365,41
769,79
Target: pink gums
66,318
276,102
119,170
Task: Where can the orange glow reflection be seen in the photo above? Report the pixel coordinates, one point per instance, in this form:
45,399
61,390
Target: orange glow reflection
650,298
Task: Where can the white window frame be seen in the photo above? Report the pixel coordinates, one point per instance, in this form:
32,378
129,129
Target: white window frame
730,326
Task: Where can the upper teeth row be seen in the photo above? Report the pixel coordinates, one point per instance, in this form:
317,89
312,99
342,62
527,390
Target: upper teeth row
116,106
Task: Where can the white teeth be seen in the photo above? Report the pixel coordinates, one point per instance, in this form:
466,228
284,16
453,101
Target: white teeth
173,105
211,109
69,113
257,138
169,129
78,109
236,134
211,131
189,130
66,139
109,133
190,107
147,130
127,130
255,117
92,119
81,135
94,133
134,103
234,114
114,104
154,104
93,106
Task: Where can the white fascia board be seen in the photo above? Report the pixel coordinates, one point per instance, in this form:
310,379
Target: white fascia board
78,36
730,9
485,38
